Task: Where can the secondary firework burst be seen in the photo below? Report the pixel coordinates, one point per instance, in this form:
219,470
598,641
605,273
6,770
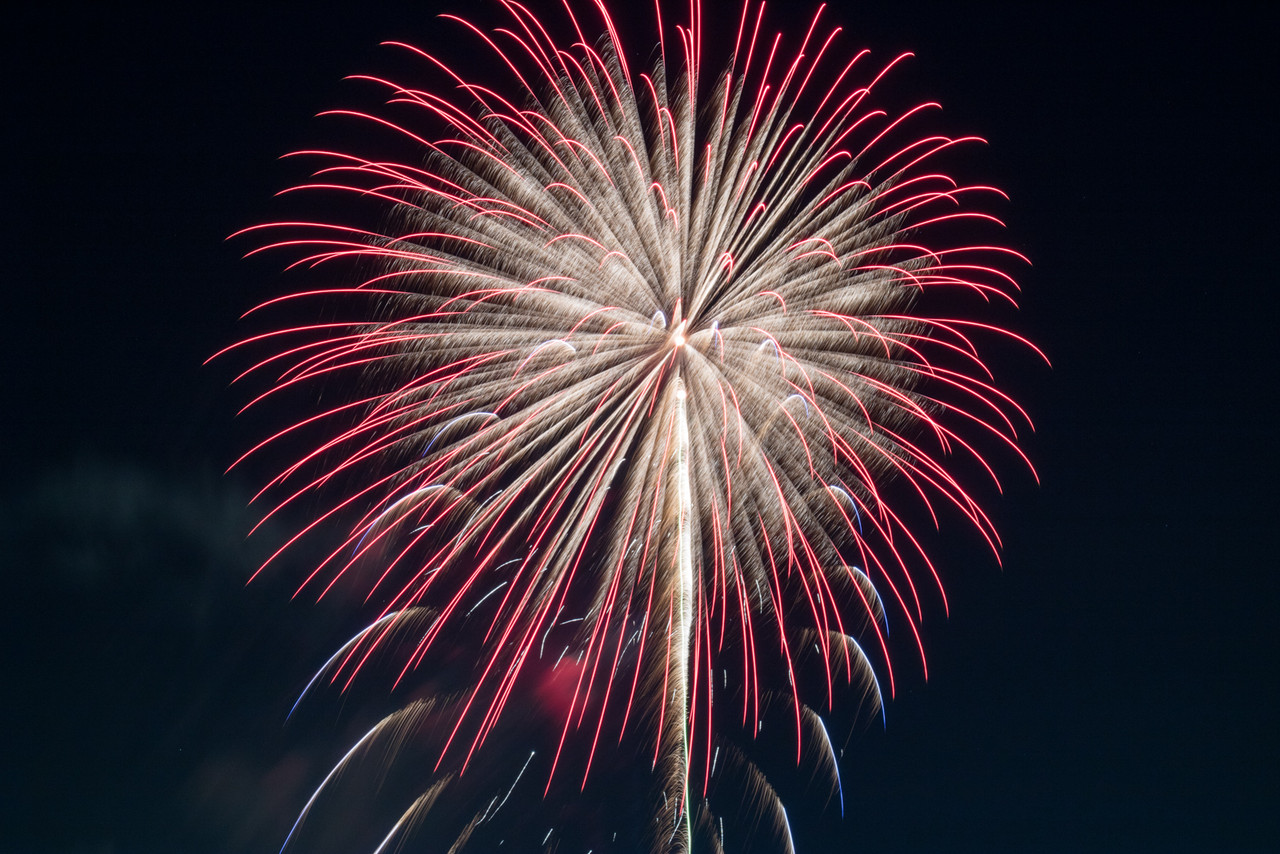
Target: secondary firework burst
626,358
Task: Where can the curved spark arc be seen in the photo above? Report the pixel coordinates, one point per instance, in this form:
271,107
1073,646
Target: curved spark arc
638,361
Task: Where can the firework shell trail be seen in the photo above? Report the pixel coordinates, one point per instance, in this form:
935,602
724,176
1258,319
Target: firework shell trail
621,366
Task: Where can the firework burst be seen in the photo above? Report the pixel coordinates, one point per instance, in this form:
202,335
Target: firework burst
629,357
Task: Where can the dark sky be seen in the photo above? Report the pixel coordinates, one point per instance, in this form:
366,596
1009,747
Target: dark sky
1112,688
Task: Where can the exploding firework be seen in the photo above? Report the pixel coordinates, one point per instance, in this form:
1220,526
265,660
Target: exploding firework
627,359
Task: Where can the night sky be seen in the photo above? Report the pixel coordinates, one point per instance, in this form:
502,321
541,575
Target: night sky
1111,688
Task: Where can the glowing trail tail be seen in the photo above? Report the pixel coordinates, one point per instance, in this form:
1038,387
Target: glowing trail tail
679,697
